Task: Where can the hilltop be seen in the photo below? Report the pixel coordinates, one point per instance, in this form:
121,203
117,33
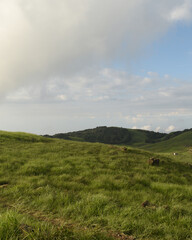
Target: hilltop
132,137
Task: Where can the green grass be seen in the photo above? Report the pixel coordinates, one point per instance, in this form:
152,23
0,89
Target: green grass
76,190
17,226
148,140
179,143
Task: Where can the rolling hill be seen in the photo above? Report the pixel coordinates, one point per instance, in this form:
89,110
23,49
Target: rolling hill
177,143
150,140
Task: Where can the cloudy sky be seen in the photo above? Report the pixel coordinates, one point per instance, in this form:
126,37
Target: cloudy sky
68,65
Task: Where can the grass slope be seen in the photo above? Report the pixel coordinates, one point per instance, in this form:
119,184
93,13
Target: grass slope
133,137
20,136
175,144
57,189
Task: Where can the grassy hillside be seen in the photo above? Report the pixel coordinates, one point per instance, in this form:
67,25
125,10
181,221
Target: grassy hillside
149,140
58,189
179,143
5,137
112,135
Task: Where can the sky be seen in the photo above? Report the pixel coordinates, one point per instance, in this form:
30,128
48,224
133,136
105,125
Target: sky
68,65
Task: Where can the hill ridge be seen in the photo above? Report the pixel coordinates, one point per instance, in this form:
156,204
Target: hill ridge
125,136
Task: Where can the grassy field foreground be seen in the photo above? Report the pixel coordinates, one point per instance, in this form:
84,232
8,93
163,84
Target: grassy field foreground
57,189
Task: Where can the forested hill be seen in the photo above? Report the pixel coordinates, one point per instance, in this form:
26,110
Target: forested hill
116,135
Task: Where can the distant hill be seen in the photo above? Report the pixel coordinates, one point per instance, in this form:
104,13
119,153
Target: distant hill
173,141
111,135
133,137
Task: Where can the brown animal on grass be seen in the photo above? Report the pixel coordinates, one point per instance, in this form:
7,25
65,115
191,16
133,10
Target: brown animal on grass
145,204
154,161
124,149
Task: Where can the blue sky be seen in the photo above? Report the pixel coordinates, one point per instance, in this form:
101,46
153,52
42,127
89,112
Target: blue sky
171,54
76,64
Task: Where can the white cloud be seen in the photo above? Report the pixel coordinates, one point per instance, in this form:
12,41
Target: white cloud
92,117
165,94
114,87
153,74
62,97
20,95
169,114
101,98
146,127
137,118
166,76
170,128
147,80
182,12
157,129
42,40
